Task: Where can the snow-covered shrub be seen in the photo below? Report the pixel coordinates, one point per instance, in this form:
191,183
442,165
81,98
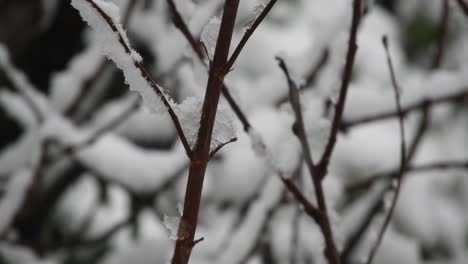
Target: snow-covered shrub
285,150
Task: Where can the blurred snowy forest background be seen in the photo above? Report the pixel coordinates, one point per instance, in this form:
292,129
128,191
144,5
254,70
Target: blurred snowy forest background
88,174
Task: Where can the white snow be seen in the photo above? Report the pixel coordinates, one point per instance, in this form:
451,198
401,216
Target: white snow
209,35
189,112
257,143
113,49
172,225
242,241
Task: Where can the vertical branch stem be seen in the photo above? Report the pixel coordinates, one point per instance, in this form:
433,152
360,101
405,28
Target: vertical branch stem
200,155
403,160
322,216
184,29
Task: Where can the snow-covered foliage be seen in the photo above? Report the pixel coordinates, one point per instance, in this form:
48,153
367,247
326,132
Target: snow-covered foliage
96,177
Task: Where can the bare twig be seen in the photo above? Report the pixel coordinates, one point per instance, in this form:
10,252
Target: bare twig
220,146
147,77
355,238
403,160
200,155
423,103
309,208
248,34
331,251
442,35
76,109
346,79
463,6
182,26
311,77
388,175
420,132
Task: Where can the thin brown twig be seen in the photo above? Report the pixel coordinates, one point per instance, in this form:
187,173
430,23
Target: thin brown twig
420,132
442,35
418,105
75,110
356,236
147,77
309,208
311,77
248,33
331,251
388,175
182,26
200,155
403,159
220,146
463,6
346,79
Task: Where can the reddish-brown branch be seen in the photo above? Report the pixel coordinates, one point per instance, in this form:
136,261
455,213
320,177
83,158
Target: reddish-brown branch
200,156
310,77
331,251
248,34
346,79
182,26
420,132
86,93
442,35
313,212
463,6
423,103
403,159
220,146
146,76
388,175
352,243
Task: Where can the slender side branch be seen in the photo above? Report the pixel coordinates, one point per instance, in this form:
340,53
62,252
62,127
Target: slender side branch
346,79
420,132
146,76
309,208
200,156
416,106
184,29
220,146
331,251
88,97
389,175
310,77
442,35
356,236
248,34
403,160
463,6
